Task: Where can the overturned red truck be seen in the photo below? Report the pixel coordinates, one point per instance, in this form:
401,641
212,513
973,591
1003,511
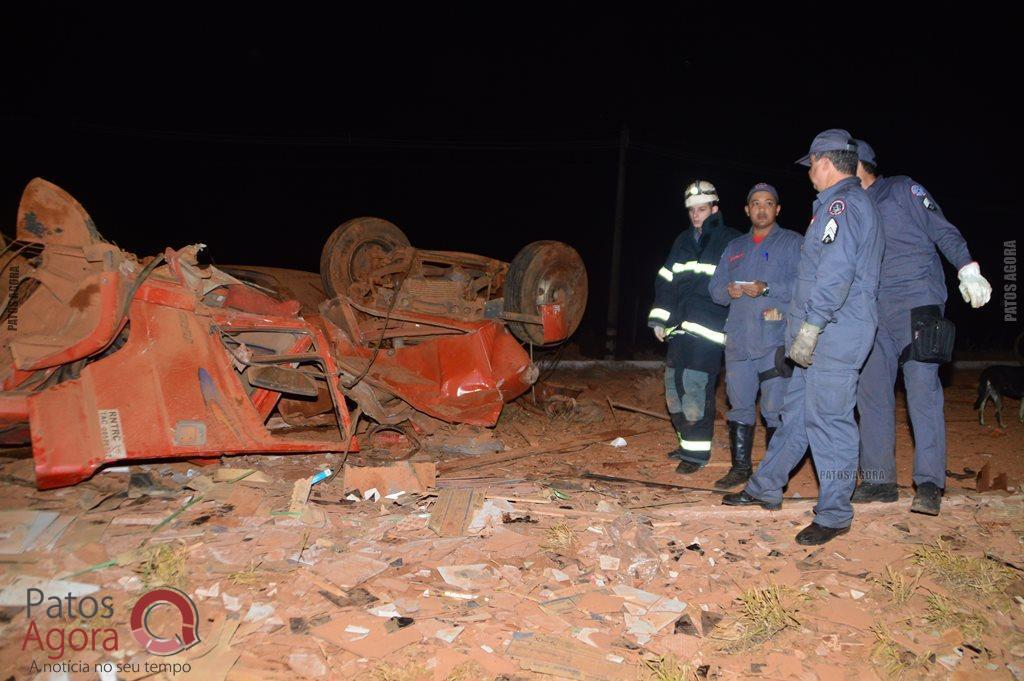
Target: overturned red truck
105,357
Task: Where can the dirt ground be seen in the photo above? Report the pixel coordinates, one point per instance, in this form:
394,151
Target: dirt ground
522,568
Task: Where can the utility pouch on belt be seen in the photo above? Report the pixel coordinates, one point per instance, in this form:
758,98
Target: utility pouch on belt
783,366
931,336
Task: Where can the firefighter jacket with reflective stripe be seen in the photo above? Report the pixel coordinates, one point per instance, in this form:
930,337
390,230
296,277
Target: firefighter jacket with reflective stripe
682,301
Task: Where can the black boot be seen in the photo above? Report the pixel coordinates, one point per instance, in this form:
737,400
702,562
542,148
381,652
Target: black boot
928,499
769,433
741,498
681,426
868,492
741,441
815,534
687,467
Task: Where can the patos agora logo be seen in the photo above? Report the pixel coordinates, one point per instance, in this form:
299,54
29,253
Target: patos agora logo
92,617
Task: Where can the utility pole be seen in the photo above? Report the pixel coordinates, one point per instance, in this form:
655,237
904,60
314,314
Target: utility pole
611,328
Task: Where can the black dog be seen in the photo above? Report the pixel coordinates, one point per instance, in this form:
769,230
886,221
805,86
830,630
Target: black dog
999,381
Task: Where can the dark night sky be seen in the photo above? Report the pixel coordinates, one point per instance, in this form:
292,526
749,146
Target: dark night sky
484,128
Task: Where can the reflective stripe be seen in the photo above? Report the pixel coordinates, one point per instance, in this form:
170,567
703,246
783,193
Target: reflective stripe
694,266
665,274
695,445
658,313
703,331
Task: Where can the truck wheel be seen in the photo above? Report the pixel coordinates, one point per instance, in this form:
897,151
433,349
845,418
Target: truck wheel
352,249
545,272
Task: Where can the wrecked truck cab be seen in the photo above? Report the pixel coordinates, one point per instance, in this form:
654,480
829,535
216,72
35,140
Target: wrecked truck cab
111,359
107,358
541,294
441,330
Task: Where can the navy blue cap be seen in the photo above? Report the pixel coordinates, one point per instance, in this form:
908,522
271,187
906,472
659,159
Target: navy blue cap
834,139
865,154
763,187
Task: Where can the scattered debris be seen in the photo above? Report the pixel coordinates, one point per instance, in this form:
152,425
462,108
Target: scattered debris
14,594
21,530
454,510
968,474
515,454
631,577
987,483
639,410
468,441
401,476
566,658
468,577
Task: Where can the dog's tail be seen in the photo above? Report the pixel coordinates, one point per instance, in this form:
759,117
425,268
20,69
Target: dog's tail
982,392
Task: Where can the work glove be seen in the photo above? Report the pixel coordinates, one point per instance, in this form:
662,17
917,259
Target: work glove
803,345
659,333
973,287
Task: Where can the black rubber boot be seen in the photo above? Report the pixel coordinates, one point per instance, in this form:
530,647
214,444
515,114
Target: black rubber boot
741,442
769,433
927,500
682,427
868,492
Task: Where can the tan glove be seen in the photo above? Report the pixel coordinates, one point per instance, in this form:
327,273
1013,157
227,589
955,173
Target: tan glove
659,333
803,345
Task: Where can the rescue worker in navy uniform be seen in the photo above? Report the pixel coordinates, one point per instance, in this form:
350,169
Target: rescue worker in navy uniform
755,278
686,318
912,286
831,327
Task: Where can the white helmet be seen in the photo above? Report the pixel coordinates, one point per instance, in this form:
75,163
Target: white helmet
700,192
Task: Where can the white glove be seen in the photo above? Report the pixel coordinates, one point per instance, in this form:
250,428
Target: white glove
659,333
973,287
804,343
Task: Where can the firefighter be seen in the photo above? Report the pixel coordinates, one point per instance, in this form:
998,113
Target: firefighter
755,279
692,325
912,292
831,327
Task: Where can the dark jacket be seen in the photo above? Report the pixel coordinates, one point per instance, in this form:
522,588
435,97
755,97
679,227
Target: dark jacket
837,278
682,301
914,226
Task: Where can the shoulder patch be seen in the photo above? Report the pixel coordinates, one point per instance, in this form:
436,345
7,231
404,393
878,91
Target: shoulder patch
831,230
929,204
918,190
837,208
